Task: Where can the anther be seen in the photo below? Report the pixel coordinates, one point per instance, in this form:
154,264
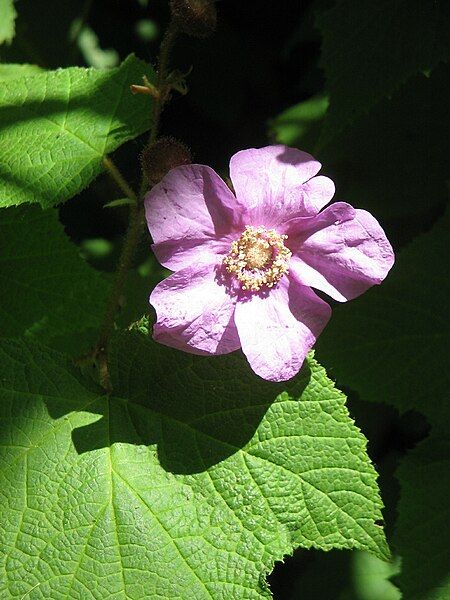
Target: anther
258,258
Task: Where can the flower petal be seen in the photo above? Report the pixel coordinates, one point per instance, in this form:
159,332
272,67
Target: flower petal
342,251
195,312
269,184
317,192
278,330
189,213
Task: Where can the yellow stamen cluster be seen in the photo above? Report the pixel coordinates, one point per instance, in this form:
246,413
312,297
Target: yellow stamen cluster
258,258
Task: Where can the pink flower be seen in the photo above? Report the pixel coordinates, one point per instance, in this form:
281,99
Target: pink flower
245,264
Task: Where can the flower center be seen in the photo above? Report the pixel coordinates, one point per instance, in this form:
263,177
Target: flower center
258,258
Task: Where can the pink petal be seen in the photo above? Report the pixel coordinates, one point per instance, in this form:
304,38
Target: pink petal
342,251
189,213
195,312
271,184
317,192
278,330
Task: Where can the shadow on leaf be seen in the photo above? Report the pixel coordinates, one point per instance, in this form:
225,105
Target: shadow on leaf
197,410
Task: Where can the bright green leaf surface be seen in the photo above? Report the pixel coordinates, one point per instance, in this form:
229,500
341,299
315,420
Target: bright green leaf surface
391,344
14,71
57,126
371,48
46,289
188,483
7,18
423,527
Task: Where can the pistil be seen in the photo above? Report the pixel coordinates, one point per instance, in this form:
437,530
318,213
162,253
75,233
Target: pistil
259,258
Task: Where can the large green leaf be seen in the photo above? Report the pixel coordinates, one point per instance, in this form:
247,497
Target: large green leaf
58,125
391,344
371,48
7,18
46,289
423,527
188,483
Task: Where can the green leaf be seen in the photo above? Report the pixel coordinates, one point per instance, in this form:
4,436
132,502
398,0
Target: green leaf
300,125
371,577
391,344
378,163
14,71
57,126
371,48
188,483
423,527
119,202
47,290
8,17
394,161
89,45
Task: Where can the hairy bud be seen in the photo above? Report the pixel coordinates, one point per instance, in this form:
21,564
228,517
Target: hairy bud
194,17
162,156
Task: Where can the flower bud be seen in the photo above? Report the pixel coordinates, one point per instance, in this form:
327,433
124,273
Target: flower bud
194,17
162,156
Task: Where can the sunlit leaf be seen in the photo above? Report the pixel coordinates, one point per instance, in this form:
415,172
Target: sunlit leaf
57,126
14,71
189,482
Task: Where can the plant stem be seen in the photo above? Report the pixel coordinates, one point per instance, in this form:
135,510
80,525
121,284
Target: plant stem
158,105
119,179
136,214
129,246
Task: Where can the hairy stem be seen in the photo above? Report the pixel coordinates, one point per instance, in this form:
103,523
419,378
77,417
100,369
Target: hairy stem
136,214
126,257
119,179
158,105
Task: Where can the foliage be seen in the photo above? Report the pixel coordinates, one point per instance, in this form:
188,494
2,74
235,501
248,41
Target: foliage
13,71
162,497
58,126
371,48
47,291
194,478
424,516
8,14
407,312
